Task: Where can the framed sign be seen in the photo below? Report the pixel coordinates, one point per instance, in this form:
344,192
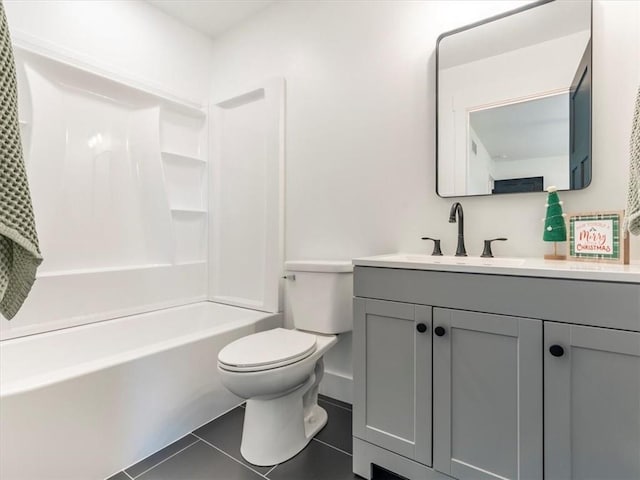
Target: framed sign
598,237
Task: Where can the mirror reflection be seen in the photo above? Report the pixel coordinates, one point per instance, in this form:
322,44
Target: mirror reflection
514,102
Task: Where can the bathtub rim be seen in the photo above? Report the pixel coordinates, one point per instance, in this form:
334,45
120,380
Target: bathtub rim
46,379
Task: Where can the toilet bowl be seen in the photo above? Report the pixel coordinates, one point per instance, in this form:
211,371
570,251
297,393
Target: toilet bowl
278,372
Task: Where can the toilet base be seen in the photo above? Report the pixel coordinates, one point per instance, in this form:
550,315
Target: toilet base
276,429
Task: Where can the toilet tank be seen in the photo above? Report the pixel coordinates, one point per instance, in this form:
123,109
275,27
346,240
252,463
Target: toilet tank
321,295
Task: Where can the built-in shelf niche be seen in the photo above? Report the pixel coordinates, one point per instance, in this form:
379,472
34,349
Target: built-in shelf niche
182,143
184,181
178,157
181,132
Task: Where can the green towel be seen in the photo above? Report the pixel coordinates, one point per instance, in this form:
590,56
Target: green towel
19,252
632,219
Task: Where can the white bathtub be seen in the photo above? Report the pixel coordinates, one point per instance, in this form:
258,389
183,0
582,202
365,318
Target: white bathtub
85,402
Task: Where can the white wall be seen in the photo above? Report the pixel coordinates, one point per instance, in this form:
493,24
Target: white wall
360,126
131,38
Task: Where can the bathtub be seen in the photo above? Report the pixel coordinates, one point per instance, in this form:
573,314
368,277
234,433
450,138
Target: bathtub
85,402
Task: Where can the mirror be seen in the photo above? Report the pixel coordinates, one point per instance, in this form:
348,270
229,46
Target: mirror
513,97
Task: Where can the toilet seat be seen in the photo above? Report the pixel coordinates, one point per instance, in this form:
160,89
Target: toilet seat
267,350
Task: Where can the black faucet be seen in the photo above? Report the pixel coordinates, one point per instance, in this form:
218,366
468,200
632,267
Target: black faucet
456,208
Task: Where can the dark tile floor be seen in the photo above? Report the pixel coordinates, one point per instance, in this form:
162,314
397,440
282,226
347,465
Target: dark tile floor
213,452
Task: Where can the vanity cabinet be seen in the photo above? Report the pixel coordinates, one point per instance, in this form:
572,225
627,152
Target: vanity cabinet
592,402
487,395
513,377
393,365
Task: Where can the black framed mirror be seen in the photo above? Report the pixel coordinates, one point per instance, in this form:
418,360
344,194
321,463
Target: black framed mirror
513,102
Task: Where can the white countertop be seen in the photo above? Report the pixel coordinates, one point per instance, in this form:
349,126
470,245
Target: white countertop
521,267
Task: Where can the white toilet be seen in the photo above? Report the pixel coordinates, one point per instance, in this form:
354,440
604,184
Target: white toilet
278,371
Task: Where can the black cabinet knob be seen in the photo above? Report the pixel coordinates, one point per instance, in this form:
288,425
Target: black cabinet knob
421,327
439,331
556,350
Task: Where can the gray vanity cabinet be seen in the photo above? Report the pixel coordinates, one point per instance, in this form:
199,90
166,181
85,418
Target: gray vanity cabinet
592,403
518,377
392,377
487,395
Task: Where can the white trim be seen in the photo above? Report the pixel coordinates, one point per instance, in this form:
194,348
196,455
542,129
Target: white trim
43,48
235,301
153,288
87,271
96,318
167,155
337,386
189,211
515,100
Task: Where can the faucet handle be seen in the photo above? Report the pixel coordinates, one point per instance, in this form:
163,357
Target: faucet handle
436,246
487,246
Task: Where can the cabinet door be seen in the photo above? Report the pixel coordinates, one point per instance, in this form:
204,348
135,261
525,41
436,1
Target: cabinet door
392,377
487,394
592,403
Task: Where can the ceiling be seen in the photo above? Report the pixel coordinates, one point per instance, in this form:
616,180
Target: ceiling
211,17
533,129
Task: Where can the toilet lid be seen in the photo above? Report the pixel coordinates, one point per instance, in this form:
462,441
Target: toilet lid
270,349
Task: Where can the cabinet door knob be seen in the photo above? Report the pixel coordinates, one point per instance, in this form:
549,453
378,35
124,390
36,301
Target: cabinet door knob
421,327
556,350
439,331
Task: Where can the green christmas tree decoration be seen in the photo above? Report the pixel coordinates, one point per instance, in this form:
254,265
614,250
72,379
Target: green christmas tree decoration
555,229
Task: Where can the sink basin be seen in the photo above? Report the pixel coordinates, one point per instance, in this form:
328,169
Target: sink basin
451,260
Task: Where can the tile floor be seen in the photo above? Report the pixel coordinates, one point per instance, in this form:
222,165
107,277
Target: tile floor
213,452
